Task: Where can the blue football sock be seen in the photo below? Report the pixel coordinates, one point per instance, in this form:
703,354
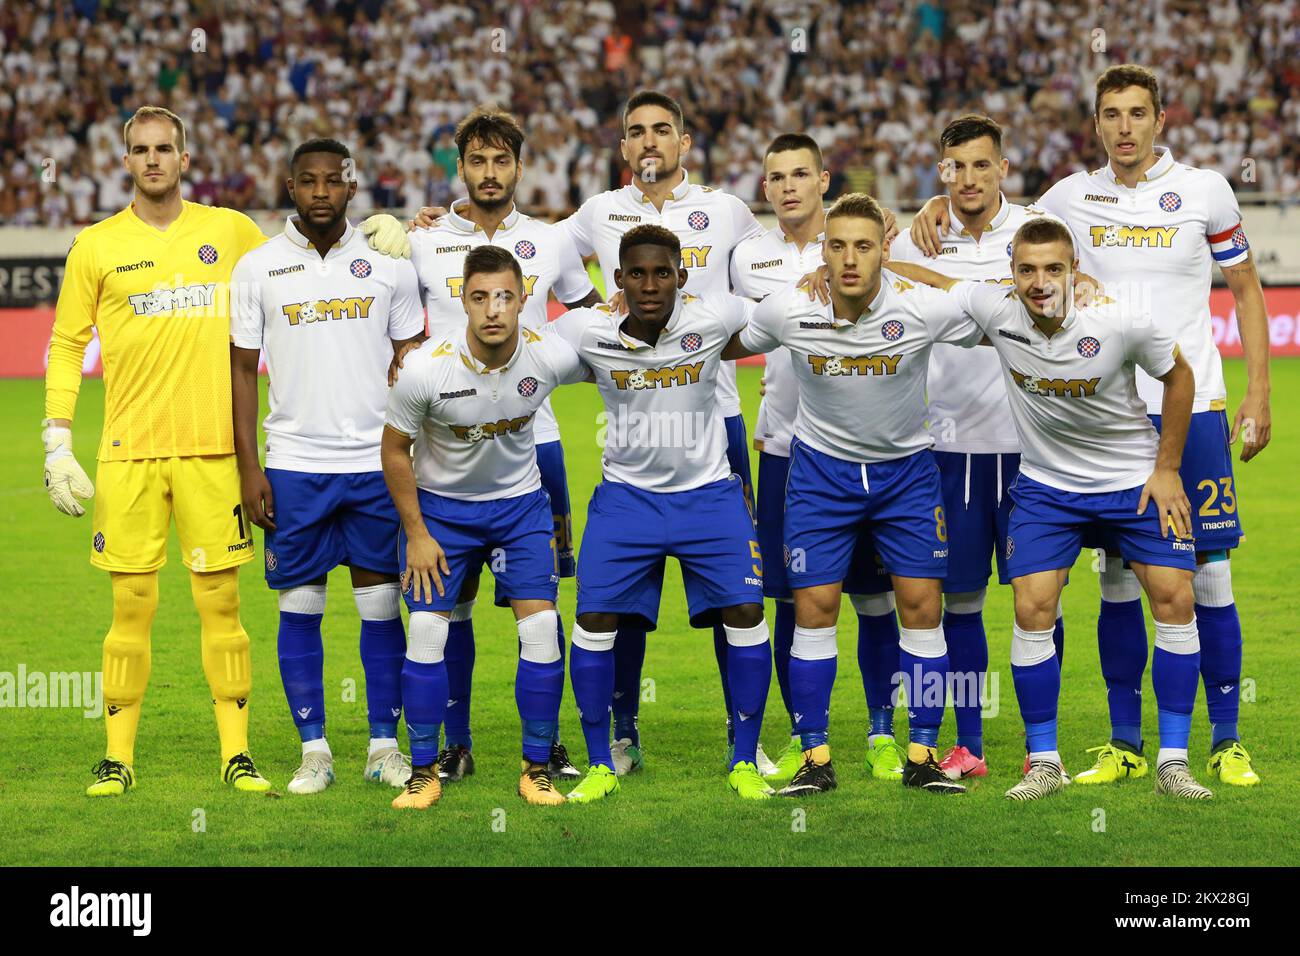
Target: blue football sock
537,694
782,635
720,655
424,695
749,670
878,664
1220,633
1038,691
592,676
1058,640
812,679
629,658
383,648
925,683
1122,646
1175,678
459,657
302,656
968,660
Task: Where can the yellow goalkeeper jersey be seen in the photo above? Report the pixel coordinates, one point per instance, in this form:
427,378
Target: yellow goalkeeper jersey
160,302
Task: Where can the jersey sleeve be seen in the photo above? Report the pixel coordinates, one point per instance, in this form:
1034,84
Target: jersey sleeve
902,249
573,284
565,360
408,399
763,331
579,226
735,313
248,236
405,310
736,274
949,317
74,318
982,301
571,326
1223,229
247,321
1148,344
1056,200
744,223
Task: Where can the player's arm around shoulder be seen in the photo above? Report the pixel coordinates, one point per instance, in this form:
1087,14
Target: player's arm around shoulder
764,322
1165,486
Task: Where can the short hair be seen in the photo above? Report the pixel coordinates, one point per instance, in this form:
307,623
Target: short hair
1124,75
654,98
154,112
1039,231
972,126
319,145
857,205
650,235
491,126
789,142
488,260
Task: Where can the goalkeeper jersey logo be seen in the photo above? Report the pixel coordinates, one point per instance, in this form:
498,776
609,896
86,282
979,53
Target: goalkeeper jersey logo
180,299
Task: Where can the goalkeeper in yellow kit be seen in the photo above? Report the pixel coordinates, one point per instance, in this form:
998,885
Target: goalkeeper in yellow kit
153,280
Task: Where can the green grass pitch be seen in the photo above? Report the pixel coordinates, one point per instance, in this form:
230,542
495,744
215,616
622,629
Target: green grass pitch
679,810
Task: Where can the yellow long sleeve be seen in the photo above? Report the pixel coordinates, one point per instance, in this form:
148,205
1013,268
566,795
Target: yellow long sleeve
74,319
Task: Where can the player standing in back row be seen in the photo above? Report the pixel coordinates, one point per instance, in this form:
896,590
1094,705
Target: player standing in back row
329,314
1150,229
709,224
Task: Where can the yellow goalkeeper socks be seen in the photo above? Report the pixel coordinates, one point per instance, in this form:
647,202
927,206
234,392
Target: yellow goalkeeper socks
226,661
127,660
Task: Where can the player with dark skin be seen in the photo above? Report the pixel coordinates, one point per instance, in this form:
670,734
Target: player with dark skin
650,279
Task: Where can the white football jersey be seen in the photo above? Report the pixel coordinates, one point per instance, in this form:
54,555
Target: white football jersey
709,223
1153,248
662,429
968,400
1074,396
861,383
760,266
327,327
473,428
545,254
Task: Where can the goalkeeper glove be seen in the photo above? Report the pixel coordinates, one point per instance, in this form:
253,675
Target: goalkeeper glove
65,480
387,236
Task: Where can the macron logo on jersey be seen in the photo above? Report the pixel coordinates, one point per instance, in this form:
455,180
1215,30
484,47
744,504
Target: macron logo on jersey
666,377
180,299
854,365
353,307
1151,237
1060,387
478,433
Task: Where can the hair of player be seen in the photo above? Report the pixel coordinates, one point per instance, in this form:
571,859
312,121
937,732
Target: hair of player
789,142
966,129
857,205
1124,75
491,126
654,98
1038,232
650,235
489,260
319,145
154,112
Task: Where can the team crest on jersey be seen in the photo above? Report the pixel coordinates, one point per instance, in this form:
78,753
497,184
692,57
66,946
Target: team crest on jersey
527,387
525,249
691,342
892,330
270,560
698,221
360,268
1171,202
99,542
1088,346
207,254
1008,250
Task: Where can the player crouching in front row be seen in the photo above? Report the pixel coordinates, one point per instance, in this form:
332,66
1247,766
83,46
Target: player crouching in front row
1091,461
467,402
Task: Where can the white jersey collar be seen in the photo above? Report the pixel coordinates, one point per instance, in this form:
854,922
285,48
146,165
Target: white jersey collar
679,191
869,313
463,224
478,368
298,239
1164,163
958,228
633,343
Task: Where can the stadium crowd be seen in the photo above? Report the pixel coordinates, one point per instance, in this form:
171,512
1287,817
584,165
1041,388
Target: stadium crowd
872,82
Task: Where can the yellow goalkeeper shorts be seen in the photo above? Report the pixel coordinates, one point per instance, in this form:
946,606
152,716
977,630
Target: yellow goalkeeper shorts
135,501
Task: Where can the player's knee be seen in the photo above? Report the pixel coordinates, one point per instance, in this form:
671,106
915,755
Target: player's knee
1212,584
1119,585
539,640
597,623
135,601
873,605
744,616
378,602
1035,610
304,599
216,597
920,609
427,637
965,602
1172,601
